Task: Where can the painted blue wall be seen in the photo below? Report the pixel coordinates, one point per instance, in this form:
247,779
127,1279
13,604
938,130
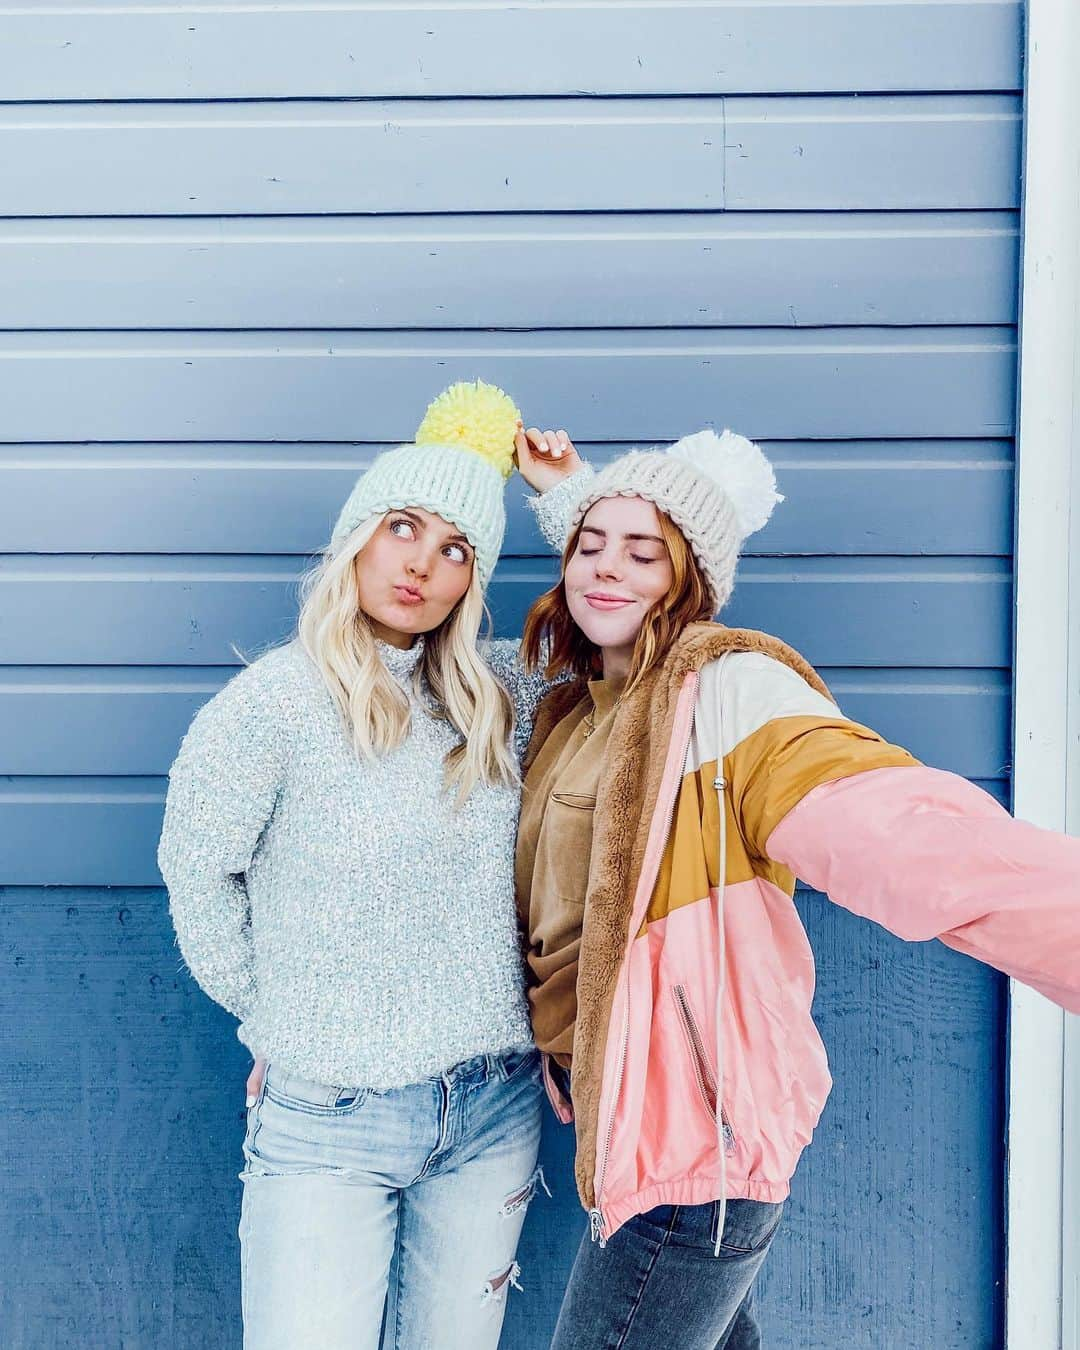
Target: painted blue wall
240,248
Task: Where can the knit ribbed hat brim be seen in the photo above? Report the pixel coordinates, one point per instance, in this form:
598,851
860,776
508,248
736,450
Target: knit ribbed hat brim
694,503
449,480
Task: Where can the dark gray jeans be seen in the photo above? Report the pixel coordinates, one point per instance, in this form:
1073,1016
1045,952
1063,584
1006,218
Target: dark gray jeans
658,1284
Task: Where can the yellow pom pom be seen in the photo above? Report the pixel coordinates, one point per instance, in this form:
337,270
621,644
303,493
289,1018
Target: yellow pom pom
476,415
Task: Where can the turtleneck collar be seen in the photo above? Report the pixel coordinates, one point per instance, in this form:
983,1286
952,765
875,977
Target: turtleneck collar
401,663
605,694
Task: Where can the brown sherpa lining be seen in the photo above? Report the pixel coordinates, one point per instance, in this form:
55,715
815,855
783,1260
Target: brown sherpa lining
625,802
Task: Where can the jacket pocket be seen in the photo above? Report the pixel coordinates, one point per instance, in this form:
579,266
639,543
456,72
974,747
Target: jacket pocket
563,862
703,1069
581,801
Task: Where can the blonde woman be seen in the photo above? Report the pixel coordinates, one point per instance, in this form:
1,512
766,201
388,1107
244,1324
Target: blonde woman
338,847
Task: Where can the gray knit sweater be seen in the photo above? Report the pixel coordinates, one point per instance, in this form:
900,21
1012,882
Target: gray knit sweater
361,928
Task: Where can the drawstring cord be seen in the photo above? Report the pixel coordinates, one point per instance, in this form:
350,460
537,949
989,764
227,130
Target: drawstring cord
720,784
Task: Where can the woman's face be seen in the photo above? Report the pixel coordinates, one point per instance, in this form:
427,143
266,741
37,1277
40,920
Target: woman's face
411,573
617,572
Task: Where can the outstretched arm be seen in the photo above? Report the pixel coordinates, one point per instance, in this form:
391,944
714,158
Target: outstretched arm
927,854
921,851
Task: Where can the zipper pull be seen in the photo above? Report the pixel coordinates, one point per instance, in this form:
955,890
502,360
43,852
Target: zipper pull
596,1228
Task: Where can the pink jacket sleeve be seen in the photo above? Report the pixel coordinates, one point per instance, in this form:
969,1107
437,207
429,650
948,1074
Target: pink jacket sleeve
926,854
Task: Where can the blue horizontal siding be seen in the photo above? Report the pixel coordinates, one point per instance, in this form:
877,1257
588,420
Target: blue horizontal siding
653,271
240,248
361,50
194,610
141,1183
871,153
822,153
921,497
900,1162
122,720
607,385
99,831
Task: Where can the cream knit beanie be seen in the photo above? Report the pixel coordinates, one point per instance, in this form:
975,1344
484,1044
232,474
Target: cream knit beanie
457,469
718,490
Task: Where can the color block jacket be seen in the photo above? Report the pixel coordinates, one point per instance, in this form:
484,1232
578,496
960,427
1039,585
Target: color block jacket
689,924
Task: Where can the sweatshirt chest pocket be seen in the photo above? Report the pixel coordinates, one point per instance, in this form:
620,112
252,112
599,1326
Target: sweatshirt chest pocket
569,831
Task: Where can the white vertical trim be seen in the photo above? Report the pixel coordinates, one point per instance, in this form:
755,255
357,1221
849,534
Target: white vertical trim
1070,1233
1070,1313
1044,1046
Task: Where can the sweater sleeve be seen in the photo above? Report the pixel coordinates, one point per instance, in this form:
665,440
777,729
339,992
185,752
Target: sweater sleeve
555,508
526,688
223,787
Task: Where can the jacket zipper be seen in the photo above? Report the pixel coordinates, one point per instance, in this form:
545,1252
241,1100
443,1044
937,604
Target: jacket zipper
706,1078
596,1214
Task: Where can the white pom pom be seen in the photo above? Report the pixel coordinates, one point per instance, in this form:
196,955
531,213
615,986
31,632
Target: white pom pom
739,468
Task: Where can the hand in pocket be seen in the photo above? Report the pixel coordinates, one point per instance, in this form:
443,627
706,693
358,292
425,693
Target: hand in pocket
255,1081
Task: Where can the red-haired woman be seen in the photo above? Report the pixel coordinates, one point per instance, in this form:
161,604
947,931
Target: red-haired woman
674,791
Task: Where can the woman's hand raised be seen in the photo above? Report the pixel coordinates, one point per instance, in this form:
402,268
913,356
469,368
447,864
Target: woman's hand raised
545,458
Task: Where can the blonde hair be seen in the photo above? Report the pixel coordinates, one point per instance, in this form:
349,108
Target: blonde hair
336,634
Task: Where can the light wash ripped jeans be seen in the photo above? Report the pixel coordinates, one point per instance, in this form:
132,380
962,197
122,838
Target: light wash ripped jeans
419,1193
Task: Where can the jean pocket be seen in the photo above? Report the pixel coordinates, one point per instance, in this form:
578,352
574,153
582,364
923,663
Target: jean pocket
310,1098
749,1225
514,1062
660,1217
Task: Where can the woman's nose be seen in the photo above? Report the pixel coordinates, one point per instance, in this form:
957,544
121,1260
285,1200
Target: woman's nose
607,564
419,565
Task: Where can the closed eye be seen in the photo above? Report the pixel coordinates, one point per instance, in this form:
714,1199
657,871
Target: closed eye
636,557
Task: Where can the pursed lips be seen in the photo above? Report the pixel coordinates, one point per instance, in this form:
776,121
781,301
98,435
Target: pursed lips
409,595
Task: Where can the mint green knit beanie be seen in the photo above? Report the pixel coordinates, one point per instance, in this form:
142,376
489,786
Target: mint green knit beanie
457,468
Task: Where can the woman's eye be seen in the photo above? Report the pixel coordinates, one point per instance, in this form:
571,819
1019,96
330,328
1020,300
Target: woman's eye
588,552
639,559
396,527
456,552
